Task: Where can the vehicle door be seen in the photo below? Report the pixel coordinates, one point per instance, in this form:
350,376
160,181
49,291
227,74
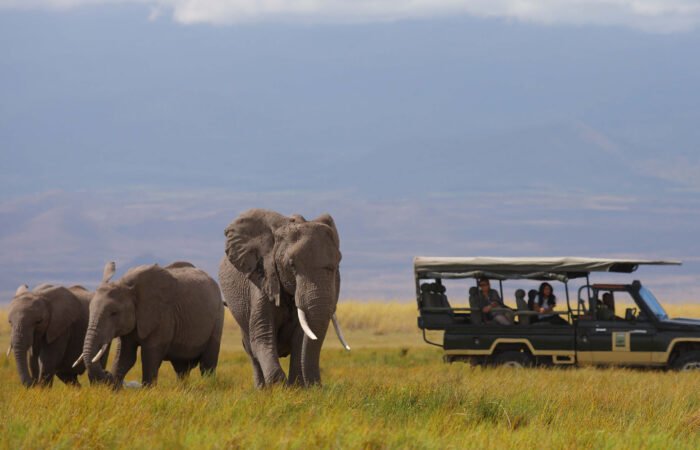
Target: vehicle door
607,338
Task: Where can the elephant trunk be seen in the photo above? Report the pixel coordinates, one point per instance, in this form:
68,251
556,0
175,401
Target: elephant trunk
21,342
317,320
92,348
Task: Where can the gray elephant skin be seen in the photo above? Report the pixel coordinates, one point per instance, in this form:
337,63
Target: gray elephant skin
48,326
173,313
280,279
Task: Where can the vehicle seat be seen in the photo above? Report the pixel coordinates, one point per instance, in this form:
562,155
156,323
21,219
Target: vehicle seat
532,299
433,296
522,306
476,315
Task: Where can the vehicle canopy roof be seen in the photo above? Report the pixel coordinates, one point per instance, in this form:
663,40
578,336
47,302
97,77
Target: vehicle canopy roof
534,268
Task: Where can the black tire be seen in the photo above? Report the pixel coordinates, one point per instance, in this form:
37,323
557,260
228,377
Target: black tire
449,359
688,360
513,358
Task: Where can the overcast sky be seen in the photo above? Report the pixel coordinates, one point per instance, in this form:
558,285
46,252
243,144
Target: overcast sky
136,131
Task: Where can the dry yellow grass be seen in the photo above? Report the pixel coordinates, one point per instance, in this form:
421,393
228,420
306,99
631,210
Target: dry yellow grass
391,391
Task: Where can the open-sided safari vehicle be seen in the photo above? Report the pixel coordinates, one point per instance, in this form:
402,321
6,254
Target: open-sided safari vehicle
586,330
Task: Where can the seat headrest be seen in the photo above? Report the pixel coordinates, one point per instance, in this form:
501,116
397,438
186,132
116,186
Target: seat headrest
520,294
432,288
532,294
473,290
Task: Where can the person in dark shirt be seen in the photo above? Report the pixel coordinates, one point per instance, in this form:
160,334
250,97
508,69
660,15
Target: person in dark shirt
488,300
606,308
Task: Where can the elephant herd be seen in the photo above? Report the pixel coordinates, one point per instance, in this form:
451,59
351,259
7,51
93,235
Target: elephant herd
279,277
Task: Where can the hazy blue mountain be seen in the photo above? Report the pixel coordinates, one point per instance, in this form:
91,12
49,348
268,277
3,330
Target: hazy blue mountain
135,141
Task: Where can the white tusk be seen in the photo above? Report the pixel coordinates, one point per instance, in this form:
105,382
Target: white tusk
9,350
336,325
78,361
99,354
305,325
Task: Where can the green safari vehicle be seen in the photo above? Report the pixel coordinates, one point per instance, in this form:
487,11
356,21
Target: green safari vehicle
584,330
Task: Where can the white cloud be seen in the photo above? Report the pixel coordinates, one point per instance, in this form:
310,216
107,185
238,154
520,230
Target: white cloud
650,15
679,170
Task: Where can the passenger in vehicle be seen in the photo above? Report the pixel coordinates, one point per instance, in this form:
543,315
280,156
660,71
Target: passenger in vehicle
488,299
544,303
522,305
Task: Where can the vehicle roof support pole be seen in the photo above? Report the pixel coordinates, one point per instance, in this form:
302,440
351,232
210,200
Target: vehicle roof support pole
588,287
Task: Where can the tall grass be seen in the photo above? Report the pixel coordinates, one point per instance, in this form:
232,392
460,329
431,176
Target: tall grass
399,395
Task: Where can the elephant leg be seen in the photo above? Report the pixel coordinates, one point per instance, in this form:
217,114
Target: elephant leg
105,357
50,358
46,380
151,359
210,357
263,340
258,377
182,368
46,373
70,379
295,375
124,360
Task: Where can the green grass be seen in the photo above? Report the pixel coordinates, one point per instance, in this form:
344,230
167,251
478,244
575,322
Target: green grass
391,391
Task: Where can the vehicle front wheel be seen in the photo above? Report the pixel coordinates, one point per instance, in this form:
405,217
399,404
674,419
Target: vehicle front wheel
513,359
687,361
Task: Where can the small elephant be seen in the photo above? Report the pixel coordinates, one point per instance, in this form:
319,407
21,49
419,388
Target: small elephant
173,313
48,325
280,278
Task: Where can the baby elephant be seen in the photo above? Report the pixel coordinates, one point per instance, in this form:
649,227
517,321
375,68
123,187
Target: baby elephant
173,313
48,325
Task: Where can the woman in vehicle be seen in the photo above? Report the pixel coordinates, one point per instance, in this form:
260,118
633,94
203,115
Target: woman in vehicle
544,303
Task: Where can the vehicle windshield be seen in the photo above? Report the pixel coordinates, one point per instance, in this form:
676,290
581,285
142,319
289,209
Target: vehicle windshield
653,303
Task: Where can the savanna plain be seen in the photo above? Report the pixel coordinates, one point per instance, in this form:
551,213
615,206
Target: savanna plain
391,391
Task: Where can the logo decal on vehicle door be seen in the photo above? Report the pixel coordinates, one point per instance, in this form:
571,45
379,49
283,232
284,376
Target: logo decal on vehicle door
621,342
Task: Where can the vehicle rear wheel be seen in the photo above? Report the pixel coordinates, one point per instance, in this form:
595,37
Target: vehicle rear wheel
687,361
514,359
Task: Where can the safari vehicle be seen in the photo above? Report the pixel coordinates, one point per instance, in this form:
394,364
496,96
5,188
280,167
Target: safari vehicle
591,332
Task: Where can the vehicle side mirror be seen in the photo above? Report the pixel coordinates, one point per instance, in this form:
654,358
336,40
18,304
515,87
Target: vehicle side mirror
631,314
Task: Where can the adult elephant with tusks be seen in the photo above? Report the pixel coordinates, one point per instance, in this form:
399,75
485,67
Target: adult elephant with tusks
280,278
173,313
48,327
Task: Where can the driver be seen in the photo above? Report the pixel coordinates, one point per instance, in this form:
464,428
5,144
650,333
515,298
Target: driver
606,308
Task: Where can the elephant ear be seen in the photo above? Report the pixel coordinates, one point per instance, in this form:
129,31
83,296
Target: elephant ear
326,219
108,271
22,289
250,245
155,290
64,311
